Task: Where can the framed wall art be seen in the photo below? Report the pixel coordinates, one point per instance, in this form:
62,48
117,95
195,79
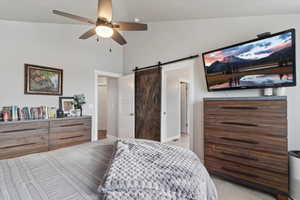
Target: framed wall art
43,80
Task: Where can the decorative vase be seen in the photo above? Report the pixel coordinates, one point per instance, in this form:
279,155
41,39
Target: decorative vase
78,112
80,108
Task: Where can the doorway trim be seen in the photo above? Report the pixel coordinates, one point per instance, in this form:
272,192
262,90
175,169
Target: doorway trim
95,118
191,98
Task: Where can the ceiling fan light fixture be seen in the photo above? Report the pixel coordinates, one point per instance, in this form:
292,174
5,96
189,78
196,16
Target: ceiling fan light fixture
104,31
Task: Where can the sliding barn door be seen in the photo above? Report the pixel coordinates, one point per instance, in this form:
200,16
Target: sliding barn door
148,104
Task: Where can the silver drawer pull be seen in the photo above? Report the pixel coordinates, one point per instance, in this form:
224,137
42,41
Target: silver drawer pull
240,140
240,156
239,124
239,107
70,125
240,173
20,130
72,137
20,145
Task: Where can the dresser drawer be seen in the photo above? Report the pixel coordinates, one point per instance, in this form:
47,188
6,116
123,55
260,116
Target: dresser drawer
69,132
22,126
272,162
70,123
242,140
250,126
64,139
249,174
246,108
21,139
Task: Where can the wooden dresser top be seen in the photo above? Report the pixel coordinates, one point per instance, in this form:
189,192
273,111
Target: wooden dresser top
262,98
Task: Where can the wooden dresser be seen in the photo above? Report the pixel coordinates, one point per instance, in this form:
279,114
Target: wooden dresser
246,141
26,137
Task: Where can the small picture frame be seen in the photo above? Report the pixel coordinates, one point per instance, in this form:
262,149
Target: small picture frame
41,80
66,104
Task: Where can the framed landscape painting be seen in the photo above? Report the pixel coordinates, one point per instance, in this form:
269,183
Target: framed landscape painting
43,80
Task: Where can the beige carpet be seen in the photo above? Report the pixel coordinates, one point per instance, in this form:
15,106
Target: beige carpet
231,191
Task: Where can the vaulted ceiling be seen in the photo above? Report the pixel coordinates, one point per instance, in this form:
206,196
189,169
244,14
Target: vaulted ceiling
145,10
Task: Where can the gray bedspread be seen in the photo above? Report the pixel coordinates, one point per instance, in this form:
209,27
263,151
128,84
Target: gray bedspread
72,173
144,170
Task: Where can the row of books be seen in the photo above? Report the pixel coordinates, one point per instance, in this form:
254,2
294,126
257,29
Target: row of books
14,113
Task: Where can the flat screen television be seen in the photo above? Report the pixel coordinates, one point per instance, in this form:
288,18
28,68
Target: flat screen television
260,63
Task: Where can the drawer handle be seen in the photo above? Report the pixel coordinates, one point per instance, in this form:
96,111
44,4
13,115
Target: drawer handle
239,140
240,107
20,145
240,173
239,124
20,130
70,125
240,156
72,137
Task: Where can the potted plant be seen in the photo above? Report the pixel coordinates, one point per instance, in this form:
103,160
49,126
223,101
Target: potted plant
79,101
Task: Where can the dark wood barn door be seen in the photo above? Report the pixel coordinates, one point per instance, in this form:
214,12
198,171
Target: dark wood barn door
148,104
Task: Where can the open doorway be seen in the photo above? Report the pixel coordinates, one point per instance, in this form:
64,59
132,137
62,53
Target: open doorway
176,104
102,107
107,107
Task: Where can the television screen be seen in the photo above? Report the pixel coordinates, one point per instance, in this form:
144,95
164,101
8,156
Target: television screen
260,63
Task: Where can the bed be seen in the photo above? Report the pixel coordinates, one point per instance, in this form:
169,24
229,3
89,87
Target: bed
75,173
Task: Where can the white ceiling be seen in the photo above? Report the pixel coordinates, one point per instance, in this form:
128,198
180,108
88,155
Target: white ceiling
145,10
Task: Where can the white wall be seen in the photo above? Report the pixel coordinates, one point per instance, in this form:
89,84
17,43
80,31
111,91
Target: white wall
112,109
52,45
172,40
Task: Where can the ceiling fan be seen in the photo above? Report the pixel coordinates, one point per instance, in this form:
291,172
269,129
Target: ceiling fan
104,26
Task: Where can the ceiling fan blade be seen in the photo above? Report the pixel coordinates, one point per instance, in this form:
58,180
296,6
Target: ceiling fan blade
88,34
74,17
105,10
118,38
128,26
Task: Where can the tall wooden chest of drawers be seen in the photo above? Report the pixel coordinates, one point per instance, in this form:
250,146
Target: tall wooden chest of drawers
246,141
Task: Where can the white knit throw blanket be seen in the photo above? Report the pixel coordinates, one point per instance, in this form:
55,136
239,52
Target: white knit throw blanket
146,170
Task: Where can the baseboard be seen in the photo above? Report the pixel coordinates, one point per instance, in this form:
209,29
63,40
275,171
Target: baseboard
170,139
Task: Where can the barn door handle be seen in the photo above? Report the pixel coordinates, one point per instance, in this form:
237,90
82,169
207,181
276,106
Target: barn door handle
131,114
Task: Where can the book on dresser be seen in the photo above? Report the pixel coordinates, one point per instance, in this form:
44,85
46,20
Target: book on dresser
246,142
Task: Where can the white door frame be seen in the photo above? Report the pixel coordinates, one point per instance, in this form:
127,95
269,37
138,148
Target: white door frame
121,107
190,99
95,119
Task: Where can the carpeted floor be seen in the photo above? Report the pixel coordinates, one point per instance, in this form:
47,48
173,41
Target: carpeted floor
231,191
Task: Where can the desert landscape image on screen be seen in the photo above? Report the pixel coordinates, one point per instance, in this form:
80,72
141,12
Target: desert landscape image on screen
263,63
